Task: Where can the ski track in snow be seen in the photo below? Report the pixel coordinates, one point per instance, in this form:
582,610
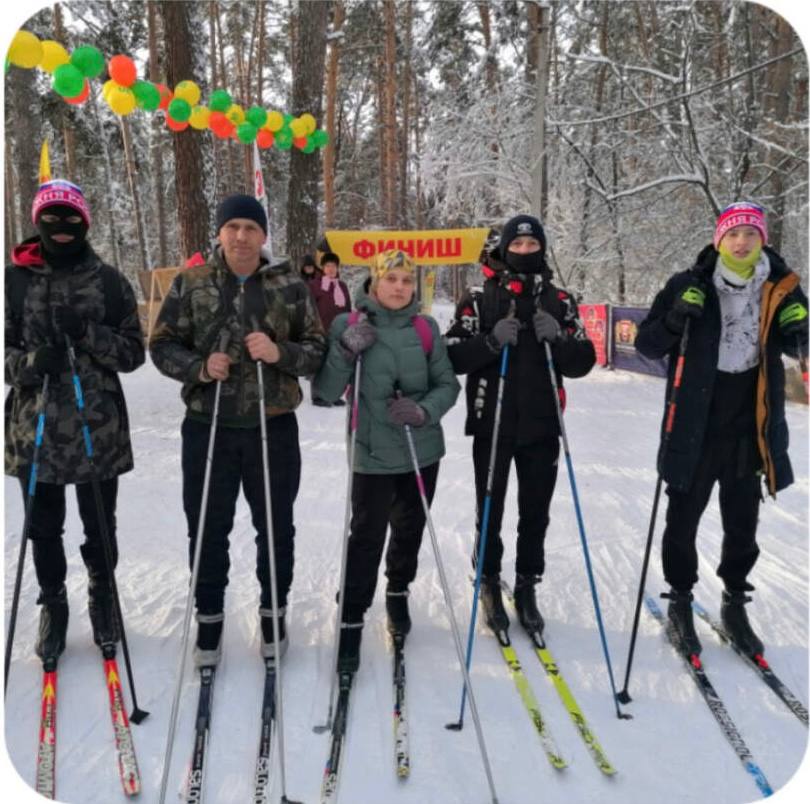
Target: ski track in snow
671,751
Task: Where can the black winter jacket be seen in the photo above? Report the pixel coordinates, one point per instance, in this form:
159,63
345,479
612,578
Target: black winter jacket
691,426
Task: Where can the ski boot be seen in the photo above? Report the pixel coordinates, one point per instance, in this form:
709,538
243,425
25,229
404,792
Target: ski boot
735,621
268,643
349,647
396,606
680,615
103,616
492,602
526,605
208,648
53,622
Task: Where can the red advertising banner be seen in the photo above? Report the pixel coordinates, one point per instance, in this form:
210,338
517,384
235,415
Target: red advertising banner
594,318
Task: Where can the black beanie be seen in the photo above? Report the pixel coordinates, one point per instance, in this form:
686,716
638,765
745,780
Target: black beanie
521,226
241,206
330,256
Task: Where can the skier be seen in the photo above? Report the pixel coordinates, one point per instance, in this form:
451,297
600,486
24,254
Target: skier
57,286
518,305
745,309
331,298
405,380
226,295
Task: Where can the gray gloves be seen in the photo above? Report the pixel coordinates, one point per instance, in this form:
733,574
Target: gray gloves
546,327
403,410
356,338
505,331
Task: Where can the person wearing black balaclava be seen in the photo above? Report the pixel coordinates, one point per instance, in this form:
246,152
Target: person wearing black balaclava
518,305
57,286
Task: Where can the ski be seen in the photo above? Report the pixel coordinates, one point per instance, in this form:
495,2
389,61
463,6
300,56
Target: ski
712,699
124,745
566,696
202,729
46,753
758,663
261,777
339,721
401,754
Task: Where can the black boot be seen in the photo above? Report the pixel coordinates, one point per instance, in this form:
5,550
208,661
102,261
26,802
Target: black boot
492,603
103,616
268,643
53,622
396,606
349,647
208,648
735,621
526,605
680,615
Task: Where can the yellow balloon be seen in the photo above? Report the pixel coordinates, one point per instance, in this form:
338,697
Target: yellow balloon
188,91
309,123
236,114
53,56
121,100
298,127
108,87
25,50
275,120
199,117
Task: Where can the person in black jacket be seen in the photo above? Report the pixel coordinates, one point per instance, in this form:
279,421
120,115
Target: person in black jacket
745,309
520,306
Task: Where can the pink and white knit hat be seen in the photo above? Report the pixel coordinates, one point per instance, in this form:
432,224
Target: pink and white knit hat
743,213
60,193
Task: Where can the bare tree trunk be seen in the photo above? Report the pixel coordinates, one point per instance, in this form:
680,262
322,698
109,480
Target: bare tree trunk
539,177
12,236
157,135
192,205
260,58
390,112
132,176
66,112
307,96
230,185
329,161
20,84
404,152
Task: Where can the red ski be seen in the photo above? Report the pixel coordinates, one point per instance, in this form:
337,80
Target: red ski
127,763
46,754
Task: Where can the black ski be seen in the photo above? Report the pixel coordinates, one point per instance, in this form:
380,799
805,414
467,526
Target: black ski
401,753
261,777
759,664
332,769
202,730
712,699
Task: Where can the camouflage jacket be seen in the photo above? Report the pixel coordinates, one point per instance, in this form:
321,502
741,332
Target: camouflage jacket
208,301
112,343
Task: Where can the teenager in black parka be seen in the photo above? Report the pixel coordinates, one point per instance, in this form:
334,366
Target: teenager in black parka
520,306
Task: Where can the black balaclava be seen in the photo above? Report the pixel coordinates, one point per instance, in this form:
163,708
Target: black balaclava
62,253
519,226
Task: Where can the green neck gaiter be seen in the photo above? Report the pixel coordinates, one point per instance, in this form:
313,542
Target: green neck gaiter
744,268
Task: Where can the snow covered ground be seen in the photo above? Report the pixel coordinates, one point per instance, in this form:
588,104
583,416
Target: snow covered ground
671,751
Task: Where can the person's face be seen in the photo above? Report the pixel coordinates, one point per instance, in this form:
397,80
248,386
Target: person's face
395,289
525,244
741,241
54,220
309,270
330,269
242,240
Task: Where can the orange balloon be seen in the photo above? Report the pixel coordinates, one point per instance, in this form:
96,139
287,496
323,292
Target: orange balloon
175,125
122,70
81,97
300,142
166,96
264,138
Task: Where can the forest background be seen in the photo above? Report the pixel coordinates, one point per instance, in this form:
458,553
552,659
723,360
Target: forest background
626,126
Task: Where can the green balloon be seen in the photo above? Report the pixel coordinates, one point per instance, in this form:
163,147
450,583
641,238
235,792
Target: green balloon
284,138
320,138
288,118
147,95
309,147
179,110
246,133
256,116
88,61
67,81
220,101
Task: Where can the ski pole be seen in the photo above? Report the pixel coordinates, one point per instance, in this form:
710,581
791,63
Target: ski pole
580,523
482,536
138,715
195,571
29,506
347,518
271,549
462,661
624,695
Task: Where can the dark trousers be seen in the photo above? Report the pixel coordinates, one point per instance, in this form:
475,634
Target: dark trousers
536,465
732,463
377,501
48,525
237,461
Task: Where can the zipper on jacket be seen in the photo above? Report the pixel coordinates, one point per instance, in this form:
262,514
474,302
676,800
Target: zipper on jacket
243,356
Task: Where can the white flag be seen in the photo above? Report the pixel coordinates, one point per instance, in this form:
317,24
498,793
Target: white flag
260,194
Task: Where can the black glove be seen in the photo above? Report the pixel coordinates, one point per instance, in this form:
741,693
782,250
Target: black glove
505,331
403,411
356,338
688,304
48,360
69,322
546,327
793,319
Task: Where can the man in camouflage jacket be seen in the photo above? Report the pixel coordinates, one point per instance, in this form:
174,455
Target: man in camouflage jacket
264,312
57,286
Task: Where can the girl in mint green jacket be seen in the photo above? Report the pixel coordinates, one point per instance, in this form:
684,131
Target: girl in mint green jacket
406,379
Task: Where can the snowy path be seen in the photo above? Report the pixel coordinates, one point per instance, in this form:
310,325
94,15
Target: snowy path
671,751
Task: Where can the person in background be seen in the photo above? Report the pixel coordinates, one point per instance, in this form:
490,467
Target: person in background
309,268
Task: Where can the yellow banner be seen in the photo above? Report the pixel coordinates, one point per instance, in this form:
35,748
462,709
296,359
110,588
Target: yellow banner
429,247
